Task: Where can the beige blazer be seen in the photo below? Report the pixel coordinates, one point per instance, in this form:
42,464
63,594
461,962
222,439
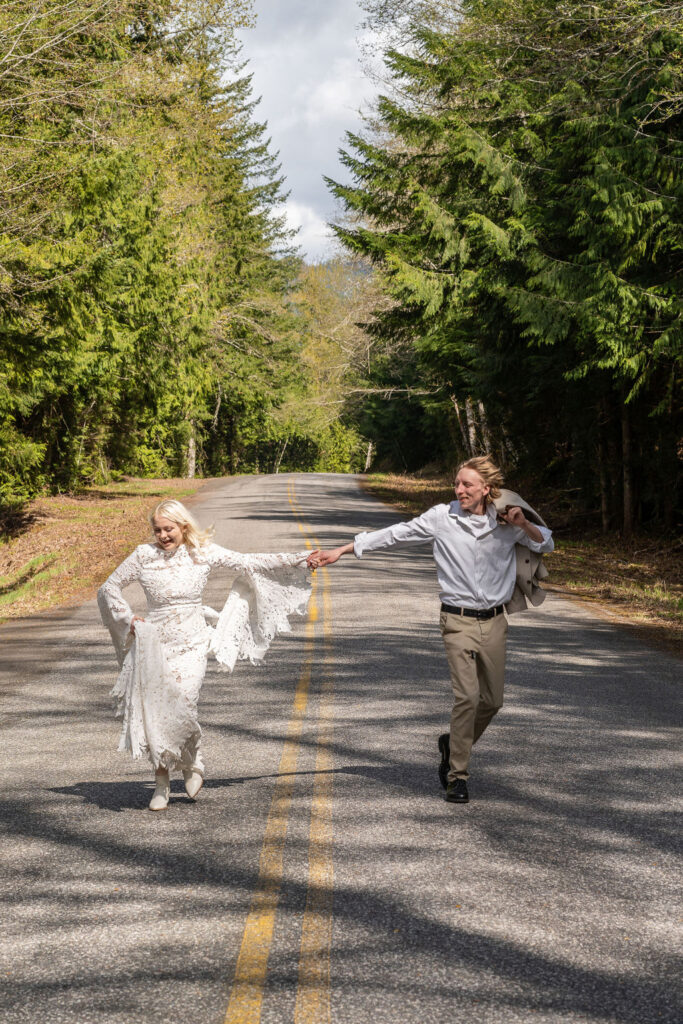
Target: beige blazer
530,567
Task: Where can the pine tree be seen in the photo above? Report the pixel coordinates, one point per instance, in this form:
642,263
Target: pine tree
146,275
522,195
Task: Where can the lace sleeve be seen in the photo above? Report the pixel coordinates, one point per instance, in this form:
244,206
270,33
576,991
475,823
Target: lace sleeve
115,611
268,591
226,559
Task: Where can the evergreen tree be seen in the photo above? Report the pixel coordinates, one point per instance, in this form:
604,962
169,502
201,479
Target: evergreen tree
521,193
146,276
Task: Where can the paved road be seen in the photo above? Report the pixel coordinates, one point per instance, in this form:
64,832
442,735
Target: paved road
320,875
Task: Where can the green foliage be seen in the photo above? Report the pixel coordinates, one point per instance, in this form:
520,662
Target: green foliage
522,196
340,450
146,276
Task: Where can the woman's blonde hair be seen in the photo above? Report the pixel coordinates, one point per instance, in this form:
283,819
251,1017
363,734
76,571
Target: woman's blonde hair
193,535
488,471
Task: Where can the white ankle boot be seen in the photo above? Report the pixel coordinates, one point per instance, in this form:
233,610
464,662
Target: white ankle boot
162,792
194,781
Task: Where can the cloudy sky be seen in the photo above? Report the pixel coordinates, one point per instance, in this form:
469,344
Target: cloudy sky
305,60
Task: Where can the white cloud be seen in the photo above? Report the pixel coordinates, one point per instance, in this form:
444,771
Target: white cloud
314,236
309,80
336,98
305,61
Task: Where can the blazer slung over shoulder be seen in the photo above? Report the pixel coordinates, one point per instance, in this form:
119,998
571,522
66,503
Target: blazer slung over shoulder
530,569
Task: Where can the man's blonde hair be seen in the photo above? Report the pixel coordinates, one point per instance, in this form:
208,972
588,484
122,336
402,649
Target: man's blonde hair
488,471
193,535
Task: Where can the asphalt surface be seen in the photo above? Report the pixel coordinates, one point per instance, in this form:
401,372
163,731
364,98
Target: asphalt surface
552,896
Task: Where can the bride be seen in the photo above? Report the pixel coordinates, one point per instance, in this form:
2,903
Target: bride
163,656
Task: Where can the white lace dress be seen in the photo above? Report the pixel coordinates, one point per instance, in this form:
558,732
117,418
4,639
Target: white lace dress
163,663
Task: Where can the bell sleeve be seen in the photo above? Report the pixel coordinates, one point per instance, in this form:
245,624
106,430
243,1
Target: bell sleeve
269,589
116,613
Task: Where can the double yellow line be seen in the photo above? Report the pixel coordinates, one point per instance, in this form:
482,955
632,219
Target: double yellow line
313,989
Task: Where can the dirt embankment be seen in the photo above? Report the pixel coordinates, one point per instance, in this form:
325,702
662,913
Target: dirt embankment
59,550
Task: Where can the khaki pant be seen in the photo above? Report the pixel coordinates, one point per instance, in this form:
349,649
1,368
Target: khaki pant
475,649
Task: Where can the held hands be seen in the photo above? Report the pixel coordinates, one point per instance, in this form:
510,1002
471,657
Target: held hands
321,558
333,554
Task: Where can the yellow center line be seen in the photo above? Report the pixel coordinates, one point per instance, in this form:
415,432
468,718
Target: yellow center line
252,963
313,991
313,998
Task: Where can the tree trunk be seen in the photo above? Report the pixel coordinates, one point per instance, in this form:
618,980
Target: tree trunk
191,458
471,426
507,446
400,452
368,457
279,458
605,490
465,442
219,396
626,454
485,432
669,448
604,487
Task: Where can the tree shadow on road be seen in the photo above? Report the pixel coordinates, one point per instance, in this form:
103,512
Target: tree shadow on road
571,797
462,957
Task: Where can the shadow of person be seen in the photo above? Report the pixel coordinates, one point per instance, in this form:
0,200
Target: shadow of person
111,796
135,795
129,795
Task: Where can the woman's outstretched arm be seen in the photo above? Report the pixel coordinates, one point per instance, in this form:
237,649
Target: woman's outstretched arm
238,561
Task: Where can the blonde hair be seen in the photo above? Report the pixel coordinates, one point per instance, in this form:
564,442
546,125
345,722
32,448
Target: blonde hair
488,471
193,535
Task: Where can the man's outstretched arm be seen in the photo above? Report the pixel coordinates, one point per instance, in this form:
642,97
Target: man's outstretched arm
416,531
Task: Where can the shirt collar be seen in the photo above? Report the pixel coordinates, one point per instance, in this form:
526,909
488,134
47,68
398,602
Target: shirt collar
463,518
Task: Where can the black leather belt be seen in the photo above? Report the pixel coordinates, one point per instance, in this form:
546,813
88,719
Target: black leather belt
473,613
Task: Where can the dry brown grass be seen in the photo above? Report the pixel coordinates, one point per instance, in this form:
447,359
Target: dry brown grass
60,549
639,581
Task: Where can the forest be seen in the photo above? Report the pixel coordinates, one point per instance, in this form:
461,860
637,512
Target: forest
510,267
155,318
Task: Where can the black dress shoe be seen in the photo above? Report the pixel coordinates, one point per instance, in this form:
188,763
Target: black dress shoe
445,751
456,792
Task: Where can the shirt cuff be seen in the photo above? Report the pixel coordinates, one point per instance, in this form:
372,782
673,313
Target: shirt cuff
358,544
544,546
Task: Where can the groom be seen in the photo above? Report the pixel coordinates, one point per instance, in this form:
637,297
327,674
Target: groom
474,551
